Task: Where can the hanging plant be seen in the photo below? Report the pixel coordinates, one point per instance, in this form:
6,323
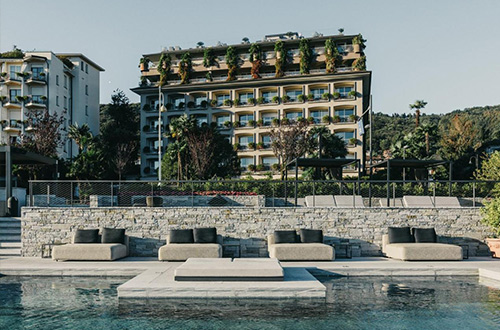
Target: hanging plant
305,56
332,55
256,60
279,48
358,43
185,66
209,58
144,64
232,63
164,66
359,64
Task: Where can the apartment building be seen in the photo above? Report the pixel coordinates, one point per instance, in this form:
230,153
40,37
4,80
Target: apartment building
333,93
66,84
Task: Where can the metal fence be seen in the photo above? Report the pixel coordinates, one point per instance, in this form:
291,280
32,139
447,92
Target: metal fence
260,193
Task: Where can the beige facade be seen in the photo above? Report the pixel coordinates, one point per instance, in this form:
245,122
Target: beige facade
245,108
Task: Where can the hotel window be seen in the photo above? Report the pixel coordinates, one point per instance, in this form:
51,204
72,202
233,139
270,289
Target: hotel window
318,93
293,94
266,140
65,104
244,97
344,114
221,98
65,82
177,102
245,161
267,118
202,119
82,65
86,110
344,91
268,96
245,140
35,73
222,119
293,115
13,93
345,135
13,70
269,161
57,100
86,68
57,80
244,119
86,89
318,114
198,100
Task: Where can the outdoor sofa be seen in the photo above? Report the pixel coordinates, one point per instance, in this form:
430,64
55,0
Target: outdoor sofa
307,246
418,244
183,244
88,245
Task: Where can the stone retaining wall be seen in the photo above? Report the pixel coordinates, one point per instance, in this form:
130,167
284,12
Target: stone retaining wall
248,227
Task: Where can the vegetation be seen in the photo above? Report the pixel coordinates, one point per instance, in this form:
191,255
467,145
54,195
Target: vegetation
185,66
256,60
305,56
332,55
359,64
164,67
491,209
417,106
14,53
232,63
358,40
209,58
279,48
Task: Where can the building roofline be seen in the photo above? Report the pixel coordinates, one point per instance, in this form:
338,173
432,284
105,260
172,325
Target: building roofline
85,58
247,45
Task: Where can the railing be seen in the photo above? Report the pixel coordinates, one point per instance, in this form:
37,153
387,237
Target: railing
261,193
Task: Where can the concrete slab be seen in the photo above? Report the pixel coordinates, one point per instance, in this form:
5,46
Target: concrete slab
349,201
320,201
156,284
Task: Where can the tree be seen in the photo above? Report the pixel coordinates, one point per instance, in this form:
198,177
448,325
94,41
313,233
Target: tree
256,60
185,65
124,153
290,142
459,138
417,106
81,135
90,162
164,67
178,129
331,146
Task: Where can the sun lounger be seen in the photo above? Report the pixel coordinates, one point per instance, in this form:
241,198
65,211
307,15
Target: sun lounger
299,251
320,201
349,201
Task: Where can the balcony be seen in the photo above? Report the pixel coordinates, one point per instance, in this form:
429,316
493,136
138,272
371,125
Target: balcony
37,79
14,126
36,102
12,104
9,79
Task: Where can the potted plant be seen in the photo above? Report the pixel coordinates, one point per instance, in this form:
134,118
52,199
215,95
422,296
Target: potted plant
3,74
169,106
203,104
147,170
144,64
236,124
251,167
352,94
260,122
310,97
19,98
227,124
260,167
146,149
3,98
181,106
325,96
260,145
146,107
286,98
236,102
42,74
336,119
275,121
358,43
251,101
251,123
146,128
190,104
285,121
301,120
213,103
275,167
251,145
260,100
336,95
227,103
276,99
353,118
491,213
326,119
301,98
310,120
353,141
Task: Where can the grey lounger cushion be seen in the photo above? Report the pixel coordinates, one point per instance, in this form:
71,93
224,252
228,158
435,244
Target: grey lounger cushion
421,251
417,201
89,252
300,251
320,201
181,252
349,201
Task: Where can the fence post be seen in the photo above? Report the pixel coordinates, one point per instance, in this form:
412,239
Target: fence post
474,193
112,202
30,196
71,193
434,194
274,195
192,193
314,193
394,194
354,194
48,194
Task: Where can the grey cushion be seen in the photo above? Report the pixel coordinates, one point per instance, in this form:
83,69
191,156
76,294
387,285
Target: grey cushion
299,251
424,235
113,235
205,235
285,236
180,236
400,235
311,236
179,252
86,236
91,252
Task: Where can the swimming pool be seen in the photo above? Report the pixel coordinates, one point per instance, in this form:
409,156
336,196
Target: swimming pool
352,303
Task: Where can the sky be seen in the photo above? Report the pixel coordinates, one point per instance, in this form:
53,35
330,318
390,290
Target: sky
445,52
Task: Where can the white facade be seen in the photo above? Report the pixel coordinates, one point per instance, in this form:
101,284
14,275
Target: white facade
45,82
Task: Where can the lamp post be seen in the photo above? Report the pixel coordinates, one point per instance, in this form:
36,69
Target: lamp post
161,108
404,168
476,159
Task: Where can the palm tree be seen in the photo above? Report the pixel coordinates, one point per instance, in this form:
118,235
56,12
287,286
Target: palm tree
418,105
178,129
427,128
81,135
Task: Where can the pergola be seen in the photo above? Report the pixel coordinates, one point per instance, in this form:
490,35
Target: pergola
413,164
336,163
17,156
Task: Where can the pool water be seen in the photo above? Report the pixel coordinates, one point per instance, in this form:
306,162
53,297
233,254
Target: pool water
352,303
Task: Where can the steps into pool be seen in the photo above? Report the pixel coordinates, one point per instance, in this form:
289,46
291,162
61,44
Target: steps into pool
10,237
221,282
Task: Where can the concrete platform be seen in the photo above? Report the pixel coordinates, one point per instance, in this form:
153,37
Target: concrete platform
298,283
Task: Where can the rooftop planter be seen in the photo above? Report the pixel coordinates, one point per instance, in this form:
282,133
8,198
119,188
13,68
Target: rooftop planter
185,67
305,56
359,64
232,63
358,43
332,56
280,63
256,60
144,64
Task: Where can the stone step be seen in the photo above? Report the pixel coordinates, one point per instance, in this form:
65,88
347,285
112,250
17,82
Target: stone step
9,219
10,238
12,245
9,231
9,225
10,252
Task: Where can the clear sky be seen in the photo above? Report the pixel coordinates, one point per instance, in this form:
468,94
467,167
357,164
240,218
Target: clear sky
443,51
